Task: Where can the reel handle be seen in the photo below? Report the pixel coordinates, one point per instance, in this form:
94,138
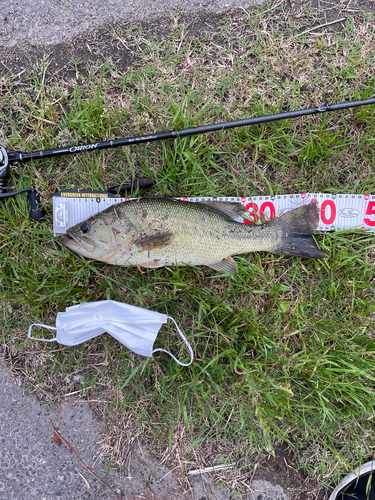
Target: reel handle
37,212
4,166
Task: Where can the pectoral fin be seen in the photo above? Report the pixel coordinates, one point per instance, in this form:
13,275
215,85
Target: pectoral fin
227,264
151,241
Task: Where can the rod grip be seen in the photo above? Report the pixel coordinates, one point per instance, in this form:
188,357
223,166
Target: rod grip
37,212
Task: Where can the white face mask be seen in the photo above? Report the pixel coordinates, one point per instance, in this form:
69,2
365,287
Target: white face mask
133,326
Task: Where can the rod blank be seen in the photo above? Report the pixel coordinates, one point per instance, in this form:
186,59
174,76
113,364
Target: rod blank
162,136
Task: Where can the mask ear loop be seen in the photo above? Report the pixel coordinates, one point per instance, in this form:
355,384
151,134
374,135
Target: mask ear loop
187,344
45,326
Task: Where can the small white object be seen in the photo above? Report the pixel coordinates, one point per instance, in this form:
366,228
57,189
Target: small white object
211,469
61,215
135,327
368,467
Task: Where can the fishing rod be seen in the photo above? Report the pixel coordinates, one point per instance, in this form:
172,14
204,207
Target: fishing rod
7,159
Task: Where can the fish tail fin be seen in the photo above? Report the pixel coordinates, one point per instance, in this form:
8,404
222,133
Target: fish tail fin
297,227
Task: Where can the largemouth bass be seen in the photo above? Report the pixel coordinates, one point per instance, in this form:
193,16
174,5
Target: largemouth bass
156,232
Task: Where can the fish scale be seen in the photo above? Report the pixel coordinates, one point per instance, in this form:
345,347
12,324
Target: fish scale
154,232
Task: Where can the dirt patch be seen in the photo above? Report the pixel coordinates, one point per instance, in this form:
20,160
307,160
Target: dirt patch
95,47
66,58
280,470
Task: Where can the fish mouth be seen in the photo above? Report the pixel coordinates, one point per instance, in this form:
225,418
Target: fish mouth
77,244
66,239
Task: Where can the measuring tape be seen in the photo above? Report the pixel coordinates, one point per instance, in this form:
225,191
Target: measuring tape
337,211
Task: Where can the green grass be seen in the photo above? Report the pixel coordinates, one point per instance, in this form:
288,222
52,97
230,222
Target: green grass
285,348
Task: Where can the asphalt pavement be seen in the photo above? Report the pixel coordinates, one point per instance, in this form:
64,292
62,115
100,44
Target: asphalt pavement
33,466
49,22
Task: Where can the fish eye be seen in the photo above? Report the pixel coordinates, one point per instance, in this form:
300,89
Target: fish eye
85,228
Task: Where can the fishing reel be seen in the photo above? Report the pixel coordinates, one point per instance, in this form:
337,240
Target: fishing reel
36,211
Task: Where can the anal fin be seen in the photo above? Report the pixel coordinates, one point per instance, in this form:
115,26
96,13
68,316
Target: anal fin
227,264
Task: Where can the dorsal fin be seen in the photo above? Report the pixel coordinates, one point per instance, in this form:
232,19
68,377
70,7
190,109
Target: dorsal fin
228,208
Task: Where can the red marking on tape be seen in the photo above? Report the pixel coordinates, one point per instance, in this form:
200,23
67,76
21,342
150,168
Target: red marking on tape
332,217
370,211
271,206
252,214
